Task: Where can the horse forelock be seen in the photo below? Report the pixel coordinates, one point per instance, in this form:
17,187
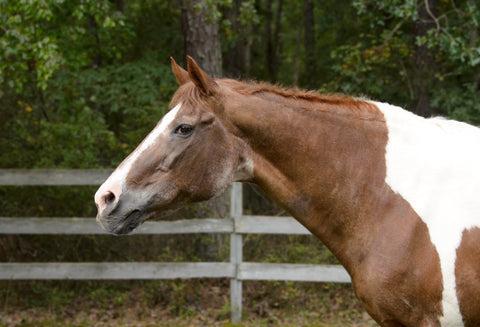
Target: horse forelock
189,95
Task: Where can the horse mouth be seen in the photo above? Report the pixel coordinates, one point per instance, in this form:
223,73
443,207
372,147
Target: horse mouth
128,223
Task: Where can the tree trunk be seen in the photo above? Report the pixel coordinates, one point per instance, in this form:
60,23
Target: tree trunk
202,42
297,60
120,4
247,51
233,61
309,39
93,29
423,59
238,56
473,41
201,36
272,33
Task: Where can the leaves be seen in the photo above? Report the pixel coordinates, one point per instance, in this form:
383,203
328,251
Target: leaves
38,37
92,115
381,62
97,71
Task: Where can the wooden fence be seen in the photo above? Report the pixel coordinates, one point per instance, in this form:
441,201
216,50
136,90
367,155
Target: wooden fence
236,225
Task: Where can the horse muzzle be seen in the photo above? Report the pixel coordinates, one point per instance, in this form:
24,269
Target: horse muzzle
122,215
121,226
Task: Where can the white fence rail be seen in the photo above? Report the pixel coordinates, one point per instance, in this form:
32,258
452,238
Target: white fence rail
236,225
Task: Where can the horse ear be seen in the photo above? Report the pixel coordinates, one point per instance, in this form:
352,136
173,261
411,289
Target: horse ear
181,75
200,78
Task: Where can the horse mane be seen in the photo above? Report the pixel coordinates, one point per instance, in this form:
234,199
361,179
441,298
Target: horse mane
188,92
294,93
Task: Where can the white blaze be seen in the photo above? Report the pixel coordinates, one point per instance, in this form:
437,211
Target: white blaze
433,164
116,182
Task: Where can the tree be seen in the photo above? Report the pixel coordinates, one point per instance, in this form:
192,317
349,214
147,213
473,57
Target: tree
309,41
201,35
422,59
273,25
422,55
240,16
37,38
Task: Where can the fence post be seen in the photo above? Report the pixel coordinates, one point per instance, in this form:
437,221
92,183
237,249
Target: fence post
236,253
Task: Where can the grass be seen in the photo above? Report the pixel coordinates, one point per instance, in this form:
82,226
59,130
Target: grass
177,303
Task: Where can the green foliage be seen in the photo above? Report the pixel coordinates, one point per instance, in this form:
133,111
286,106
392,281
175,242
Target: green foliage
282,249
372,68
247,16
81,82
456,36
56,201
38,37
74,138
379,62
460,102
95,116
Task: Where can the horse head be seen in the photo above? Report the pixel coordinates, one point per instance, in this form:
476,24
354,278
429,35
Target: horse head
191,155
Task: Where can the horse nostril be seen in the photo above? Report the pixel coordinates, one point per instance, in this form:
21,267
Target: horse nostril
108,198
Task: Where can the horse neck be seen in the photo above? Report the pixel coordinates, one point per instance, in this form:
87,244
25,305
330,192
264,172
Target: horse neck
320,161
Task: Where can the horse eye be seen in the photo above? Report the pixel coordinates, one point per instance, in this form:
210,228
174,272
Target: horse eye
183,130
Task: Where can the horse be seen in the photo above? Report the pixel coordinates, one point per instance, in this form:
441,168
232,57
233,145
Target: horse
393,195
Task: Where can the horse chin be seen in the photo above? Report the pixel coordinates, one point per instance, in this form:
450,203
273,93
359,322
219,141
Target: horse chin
124,225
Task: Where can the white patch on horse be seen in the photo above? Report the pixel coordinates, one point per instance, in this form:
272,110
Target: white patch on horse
116,182
244,171
433,164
